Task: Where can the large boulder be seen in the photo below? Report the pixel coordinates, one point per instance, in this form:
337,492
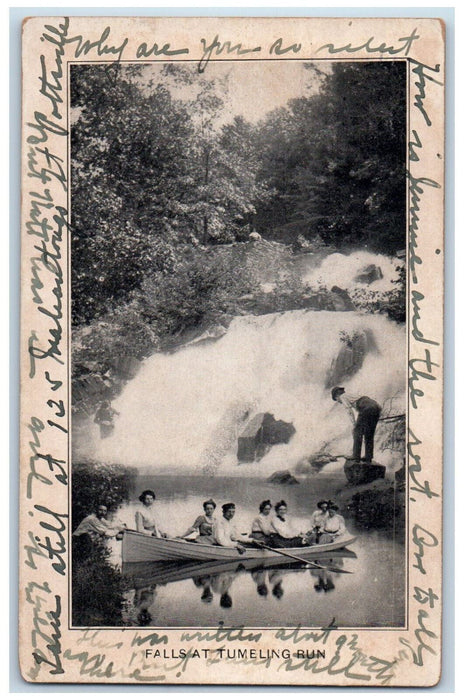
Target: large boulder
363,472
351,356
344,299
276,432
369,274
250,440
283,477
258,436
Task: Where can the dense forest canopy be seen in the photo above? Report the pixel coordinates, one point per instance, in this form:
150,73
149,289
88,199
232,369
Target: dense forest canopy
154,175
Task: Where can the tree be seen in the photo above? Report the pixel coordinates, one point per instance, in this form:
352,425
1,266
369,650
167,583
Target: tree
149,174
227,189
130,173
337,158
223,160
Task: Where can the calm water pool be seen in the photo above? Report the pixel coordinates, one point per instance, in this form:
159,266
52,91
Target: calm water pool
164,595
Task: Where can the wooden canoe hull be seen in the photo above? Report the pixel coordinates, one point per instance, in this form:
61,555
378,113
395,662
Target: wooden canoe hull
138,547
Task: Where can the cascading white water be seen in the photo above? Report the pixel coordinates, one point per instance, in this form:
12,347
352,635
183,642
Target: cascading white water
185,410
342,270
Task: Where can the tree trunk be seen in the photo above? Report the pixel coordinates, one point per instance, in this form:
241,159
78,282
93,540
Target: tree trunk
206,180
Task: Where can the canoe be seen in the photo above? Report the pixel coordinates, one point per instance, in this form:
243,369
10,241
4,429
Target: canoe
137,546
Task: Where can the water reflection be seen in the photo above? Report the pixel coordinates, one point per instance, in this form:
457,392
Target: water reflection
143,600
221,583
204,582
372,596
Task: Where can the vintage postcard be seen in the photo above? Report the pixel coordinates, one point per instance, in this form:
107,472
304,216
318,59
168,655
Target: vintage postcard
231,351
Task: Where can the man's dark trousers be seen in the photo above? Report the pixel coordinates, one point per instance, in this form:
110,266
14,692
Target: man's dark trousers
368,417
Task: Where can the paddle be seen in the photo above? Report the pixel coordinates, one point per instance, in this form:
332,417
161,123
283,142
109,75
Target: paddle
303,561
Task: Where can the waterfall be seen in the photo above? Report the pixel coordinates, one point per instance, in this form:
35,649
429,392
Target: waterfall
343,270
183,411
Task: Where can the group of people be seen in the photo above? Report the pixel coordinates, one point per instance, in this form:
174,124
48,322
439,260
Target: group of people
272,526
278,530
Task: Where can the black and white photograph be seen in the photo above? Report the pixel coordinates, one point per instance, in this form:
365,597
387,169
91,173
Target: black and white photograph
238,343
232,365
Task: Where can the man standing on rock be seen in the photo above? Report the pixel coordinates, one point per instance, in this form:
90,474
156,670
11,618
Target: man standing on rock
364,424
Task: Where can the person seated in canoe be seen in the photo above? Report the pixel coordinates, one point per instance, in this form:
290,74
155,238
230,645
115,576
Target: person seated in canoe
97,526
317,522
203,524
225,533
334,525
261,526
283,531
146,516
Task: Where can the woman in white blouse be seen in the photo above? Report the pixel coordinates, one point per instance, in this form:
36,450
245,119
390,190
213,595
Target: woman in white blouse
261,527
317,523
283,531
146,517
334,526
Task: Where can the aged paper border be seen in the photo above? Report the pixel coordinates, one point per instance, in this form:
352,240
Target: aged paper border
416,676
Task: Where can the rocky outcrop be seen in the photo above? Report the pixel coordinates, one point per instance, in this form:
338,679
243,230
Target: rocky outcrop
210,334
363,472
93,382
260,434
369,274
91,389
351,356
344,298
125,366
336,299
314,463
283,477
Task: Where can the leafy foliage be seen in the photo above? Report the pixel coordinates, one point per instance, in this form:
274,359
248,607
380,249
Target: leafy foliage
152,174
97,586
336,159
379,509
129,168
94,484
149,175
200,290
392,303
